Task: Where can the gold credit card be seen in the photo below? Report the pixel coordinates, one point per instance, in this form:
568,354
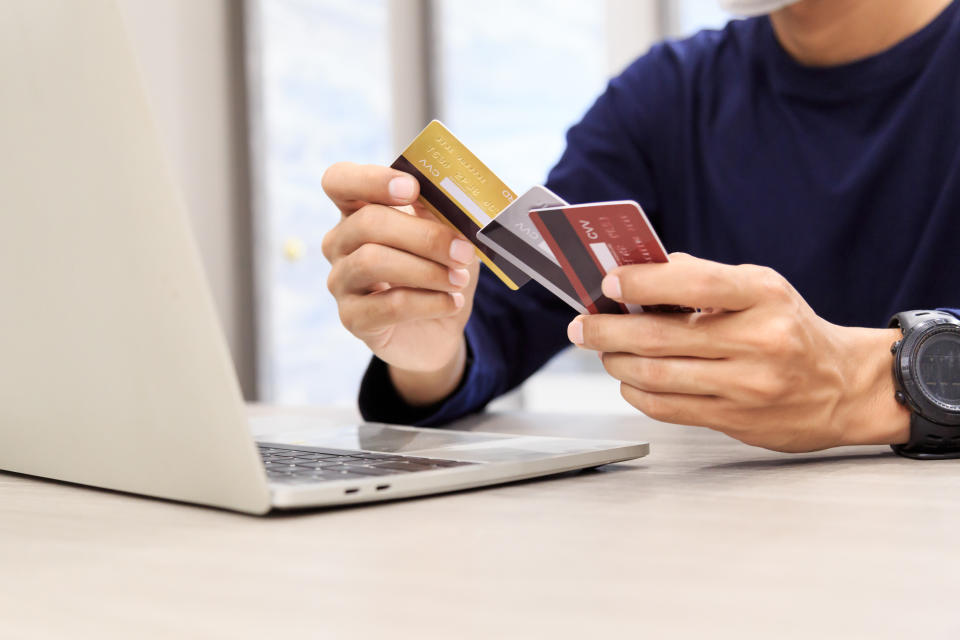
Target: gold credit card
461,191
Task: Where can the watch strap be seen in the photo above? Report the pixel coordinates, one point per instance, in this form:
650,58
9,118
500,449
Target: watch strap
907,320
929,440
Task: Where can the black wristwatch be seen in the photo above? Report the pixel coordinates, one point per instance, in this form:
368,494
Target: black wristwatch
926,375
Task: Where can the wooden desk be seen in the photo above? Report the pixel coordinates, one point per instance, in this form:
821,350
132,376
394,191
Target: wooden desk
704,538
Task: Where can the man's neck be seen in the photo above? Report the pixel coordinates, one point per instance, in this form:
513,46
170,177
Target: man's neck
832,32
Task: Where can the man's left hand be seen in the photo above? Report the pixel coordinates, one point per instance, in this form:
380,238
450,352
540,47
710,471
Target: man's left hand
755,363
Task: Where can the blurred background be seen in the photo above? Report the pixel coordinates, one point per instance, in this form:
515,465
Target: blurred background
256,99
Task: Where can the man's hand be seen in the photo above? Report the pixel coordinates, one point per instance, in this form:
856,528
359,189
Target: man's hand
403,280
757,363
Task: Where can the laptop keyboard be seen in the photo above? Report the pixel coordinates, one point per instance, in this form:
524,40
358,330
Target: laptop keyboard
291,464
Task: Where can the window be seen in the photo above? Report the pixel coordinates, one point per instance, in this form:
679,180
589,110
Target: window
318,98
508,80
516,75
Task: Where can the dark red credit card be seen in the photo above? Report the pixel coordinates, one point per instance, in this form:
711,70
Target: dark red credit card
589,240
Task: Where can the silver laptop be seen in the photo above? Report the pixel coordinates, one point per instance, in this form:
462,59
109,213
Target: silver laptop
113,370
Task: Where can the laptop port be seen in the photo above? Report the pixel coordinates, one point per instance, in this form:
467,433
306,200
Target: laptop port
352,490
382,487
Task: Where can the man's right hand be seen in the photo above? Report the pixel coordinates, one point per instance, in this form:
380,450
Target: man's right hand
403,280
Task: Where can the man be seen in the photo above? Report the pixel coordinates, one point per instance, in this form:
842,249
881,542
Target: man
821,141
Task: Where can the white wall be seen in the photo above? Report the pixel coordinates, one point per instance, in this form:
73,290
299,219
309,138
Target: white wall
191,55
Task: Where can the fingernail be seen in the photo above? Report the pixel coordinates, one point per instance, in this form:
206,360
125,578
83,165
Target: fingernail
401,188
459,277
461,251
611,287
575,331
457,299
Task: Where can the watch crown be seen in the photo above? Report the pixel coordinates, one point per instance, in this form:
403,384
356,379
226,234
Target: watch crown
902,399
894,347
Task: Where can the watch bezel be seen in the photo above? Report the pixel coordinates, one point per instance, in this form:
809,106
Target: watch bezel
905,372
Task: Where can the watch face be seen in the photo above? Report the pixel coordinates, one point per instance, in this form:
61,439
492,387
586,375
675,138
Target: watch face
938,369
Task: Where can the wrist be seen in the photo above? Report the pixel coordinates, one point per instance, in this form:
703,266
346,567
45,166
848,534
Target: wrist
873,415
423,388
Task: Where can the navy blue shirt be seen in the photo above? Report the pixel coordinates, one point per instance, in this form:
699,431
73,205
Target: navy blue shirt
844,179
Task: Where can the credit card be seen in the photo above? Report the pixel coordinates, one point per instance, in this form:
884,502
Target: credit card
460,190
514,236
589,240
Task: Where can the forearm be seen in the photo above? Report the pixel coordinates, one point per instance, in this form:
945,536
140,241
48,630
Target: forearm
509,335
424,388
873,416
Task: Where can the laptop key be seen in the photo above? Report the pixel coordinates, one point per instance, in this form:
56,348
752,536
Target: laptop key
284,464
340,468
375,456
319,464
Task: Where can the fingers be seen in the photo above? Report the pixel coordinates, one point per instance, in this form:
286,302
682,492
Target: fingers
691,376
351,186
677,408
689,281
376,224
369,266
651,334
365,314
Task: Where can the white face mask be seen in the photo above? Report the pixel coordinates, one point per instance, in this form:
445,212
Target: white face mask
748,8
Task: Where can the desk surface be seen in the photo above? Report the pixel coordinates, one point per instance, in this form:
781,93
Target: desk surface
704,538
